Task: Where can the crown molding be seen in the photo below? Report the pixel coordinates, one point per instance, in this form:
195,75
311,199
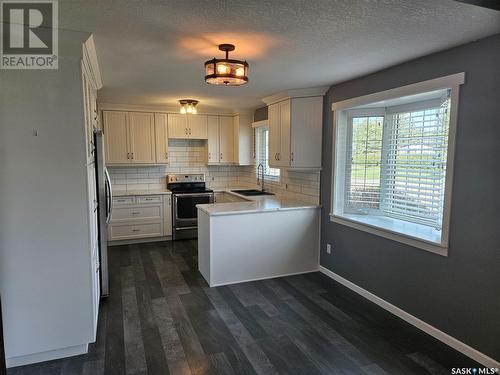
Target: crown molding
296,93
103,106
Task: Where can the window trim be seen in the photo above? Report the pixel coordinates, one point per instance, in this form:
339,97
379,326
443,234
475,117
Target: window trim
267,177
341,110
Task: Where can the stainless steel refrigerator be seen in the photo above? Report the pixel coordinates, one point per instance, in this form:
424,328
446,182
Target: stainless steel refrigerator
104,205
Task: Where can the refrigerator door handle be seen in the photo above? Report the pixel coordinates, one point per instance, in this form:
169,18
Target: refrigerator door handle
109,197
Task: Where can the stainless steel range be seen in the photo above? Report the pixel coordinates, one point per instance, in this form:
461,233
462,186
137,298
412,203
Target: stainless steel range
188,190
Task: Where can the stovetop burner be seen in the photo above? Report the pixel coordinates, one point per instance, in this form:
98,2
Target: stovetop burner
187,184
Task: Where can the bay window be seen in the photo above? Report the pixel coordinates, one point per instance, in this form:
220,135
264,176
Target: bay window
392,157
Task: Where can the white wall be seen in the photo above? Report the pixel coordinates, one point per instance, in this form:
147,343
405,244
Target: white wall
44,251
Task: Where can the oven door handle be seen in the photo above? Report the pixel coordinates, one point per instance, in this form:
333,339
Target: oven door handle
176,196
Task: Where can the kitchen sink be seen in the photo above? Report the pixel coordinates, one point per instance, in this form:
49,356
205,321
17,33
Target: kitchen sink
251,192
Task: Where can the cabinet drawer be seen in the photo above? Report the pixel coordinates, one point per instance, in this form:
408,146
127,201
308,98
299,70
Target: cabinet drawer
120,232
150,199
137,213
123,200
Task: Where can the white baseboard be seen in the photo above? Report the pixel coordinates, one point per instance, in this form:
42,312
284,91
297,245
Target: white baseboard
47,356
260,278
139,240
420,324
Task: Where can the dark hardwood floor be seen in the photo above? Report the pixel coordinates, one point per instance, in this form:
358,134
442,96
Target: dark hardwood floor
161,318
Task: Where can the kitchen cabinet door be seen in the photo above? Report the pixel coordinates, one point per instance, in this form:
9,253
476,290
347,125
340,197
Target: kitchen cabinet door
161,134
142,137
284,140
177,126
306,132
226,139
197,125
213,139
274,134
243,139
116,137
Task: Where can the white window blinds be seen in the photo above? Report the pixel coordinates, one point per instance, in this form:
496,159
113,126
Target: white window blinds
416,154
262,152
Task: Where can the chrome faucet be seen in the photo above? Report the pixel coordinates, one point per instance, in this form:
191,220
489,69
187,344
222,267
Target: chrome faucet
262,175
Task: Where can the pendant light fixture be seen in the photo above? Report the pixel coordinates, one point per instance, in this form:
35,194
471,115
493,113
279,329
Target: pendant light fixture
226,71
188,106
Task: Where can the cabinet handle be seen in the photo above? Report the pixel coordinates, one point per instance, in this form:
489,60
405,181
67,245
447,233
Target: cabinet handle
128,155
135,213
189,131
291,156
166,155
209,156
221,156
279,156
136,230
276,156
186,131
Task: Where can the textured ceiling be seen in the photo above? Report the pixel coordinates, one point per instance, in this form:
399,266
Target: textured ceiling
152,52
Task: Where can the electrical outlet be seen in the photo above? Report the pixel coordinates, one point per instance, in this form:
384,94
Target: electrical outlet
328,248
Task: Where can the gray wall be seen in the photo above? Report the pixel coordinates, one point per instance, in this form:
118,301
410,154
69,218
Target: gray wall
44,235
459,294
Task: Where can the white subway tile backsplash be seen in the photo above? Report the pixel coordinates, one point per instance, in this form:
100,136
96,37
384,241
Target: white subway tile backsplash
190,156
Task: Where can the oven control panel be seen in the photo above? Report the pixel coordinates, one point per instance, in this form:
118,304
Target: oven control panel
185,178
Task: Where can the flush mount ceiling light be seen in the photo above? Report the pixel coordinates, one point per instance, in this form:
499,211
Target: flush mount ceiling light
188,106
226,71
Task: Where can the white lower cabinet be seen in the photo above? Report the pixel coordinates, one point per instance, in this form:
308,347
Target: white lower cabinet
136,217
137,230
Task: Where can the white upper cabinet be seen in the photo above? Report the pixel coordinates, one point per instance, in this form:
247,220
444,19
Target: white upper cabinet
273,113
187,126
295,128
243,139
161,134
142,137
177,126
279,134
213,139
226,139
129,137
116,137
197,125
229,140
306,132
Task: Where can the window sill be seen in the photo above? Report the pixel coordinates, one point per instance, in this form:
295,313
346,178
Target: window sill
268,178
415,235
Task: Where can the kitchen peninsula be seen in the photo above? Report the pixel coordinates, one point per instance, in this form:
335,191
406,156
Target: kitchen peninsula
257,238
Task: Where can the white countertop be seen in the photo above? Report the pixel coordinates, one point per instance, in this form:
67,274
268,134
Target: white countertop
263,203
124,193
